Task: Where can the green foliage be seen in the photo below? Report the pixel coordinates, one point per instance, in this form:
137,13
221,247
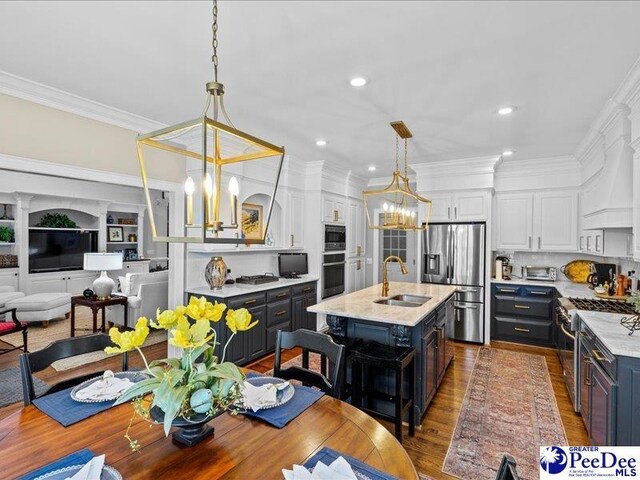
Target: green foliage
634,300
56,220
6,233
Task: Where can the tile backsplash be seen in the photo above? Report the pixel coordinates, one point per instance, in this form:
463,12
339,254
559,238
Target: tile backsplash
557,260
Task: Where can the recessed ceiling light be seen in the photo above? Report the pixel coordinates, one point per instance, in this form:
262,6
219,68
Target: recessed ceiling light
507,153
321,143
358,82
506,110
372,168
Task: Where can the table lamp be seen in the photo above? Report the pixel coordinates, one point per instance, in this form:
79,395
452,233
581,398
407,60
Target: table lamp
101,262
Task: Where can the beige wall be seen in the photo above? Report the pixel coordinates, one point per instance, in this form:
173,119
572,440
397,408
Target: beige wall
37,132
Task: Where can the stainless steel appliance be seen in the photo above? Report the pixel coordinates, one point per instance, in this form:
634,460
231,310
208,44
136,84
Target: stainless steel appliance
454,254
548,274
335,238
333,273
568,340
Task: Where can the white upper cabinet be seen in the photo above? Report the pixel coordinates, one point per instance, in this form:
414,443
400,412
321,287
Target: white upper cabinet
295,221
459,206
542,221
356,229
513,220
333,208
556,221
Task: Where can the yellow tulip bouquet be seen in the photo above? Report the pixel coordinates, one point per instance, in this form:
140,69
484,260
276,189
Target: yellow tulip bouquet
197,383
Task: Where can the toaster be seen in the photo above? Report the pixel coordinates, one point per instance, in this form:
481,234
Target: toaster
539,273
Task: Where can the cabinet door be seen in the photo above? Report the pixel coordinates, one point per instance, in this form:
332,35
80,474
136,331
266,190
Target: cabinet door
556,221
441,353
361,231
48,284
514,221
441,208
352,229
309,321
296,220
299,312
256,338
9,278
328,209
469,207
78,283
351,275
429,349
340,208
585,385
602,404
360,275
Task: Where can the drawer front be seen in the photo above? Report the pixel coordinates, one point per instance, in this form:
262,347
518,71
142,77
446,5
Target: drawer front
506,290
304,289
272,334
538,292
520,329
246,301
526,307
279,312
279,294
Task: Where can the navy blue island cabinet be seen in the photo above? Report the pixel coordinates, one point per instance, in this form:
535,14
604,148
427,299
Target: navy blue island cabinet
432,339
279,308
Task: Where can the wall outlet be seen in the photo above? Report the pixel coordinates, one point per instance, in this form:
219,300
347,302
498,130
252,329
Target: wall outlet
369,261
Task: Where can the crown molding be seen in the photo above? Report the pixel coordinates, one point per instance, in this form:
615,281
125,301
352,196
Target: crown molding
39,93
474,165
534,166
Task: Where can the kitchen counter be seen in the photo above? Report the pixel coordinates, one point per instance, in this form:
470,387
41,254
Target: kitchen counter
228,291
607,327
564,288
360,304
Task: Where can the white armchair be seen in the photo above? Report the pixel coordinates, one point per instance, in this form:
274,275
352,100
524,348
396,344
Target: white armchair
146,292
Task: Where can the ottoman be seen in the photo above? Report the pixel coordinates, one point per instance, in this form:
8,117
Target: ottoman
6,297
41,307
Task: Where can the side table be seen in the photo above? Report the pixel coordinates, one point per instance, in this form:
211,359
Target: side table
96,305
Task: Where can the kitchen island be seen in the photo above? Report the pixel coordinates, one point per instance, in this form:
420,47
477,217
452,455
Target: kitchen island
428,327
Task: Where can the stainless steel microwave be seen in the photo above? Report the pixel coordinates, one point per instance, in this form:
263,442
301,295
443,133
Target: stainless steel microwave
335,238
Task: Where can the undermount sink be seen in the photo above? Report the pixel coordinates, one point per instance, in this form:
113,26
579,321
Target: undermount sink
411,301
411,298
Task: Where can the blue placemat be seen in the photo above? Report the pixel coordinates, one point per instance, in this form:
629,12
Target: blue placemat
327,456
66,411
280,416
77,458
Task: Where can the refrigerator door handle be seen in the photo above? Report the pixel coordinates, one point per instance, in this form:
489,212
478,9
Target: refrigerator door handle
452,256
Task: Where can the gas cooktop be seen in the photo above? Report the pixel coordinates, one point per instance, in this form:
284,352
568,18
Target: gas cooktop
256,279
601,305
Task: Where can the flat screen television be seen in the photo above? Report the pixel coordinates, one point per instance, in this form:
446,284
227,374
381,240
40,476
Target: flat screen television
57,250
290,265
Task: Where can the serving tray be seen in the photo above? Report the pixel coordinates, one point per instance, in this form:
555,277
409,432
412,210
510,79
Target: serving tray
577,270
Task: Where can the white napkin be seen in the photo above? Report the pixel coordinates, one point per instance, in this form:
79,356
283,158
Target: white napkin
91,470
338,470
255,398
109,387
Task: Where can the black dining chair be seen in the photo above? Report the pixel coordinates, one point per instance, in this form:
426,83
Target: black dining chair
311,342
13,325
33,362
507,470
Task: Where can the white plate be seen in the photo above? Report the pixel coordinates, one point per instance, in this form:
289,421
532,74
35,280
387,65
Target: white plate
282,397
133,376
108,473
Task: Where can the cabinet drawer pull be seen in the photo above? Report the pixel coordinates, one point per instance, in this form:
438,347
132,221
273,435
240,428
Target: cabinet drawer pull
525,330
535,292
250,302
280,313
524,307
281,295
307,289
597,354
507,290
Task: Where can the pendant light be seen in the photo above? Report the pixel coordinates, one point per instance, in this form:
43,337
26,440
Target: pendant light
217,154
401,208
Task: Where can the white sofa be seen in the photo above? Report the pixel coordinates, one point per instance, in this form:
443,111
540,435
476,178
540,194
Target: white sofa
145,292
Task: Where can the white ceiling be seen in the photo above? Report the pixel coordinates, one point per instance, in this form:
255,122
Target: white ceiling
443,68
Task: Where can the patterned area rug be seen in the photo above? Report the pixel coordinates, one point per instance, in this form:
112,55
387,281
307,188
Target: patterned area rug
40,337
314,363
11,382
509,407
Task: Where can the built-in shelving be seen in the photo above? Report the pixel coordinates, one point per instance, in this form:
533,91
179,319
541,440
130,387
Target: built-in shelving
7,221
7,244
122,243
65,229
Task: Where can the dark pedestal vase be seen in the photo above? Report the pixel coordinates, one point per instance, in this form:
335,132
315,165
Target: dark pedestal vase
189,432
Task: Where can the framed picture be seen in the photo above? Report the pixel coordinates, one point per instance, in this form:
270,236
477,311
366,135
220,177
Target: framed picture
131,254
115,234
251,220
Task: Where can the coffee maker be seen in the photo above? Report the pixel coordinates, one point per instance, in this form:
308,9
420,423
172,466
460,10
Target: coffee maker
506,268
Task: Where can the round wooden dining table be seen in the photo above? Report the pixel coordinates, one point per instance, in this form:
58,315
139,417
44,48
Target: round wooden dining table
241,448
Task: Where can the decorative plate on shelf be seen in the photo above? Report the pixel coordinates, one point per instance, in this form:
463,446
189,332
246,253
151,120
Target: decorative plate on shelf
282,397
577,270
108,473
133,376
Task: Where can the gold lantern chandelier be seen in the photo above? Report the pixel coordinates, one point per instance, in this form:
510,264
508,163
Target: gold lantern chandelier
216,154
397,207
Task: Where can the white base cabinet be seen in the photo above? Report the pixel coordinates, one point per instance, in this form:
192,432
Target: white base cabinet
70,282
541,221
9,278
355,275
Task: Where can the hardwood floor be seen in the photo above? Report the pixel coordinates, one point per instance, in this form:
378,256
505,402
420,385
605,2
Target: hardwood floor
429,446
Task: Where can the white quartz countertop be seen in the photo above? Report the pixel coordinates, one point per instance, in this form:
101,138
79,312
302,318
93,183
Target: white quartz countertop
228,291
607,327
361,304
565,288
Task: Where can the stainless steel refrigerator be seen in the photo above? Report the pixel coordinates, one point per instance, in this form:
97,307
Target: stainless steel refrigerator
454,254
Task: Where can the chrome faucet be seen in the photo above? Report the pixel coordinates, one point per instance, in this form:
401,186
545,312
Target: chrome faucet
385,281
